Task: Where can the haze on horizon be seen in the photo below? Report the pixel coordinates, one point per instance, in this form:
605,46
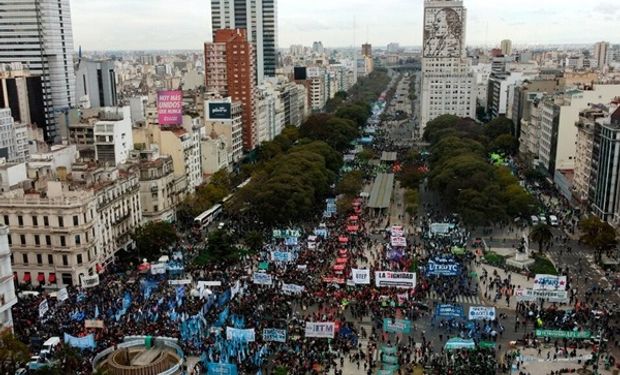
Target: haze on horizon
186,24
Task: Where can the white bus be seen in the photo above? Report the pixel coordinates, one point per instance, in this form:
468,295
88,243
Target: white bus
204,219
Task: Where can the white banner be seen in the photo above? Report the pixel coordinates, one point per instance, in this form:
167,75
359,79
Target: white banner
292,289
321,329
549,282
397,231
203,284
360,276
481,313
262,278
158,269
90,281
43,308
180,282
406,280
528,294
245,335
62,295
398,241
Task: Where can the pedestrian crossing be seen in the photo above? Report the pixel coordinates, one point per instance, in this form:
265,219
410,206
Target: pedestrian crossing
469,300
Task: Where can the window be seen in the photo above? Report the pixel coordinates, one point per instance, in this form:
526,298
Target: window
20,220
46,221
48,240
25,258
22,239
50,259
63,241
75,220
37,240
6,219
79,258
77,239
61,221
65,260
35,221
39,259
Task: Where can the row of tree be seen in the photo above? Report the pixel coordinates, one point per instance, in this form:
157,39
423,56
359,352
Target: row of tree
461,173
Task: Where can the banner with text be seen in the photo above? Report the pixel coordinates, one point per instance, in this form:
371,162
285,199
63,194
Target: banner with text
262,278
244,335
396,325
273,334
360,276
292,289
90,281
406,280
170,107
528,294
321,329
43,308
549,282
62,295
481,313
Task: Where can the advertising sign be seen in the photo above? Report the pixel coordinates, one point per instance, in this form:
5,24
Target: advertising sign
313,72
390,279
90,281
273,334
321,329
219,111
555,333
528,294
262,278
396,325
481,313
360,276
170,107
549,282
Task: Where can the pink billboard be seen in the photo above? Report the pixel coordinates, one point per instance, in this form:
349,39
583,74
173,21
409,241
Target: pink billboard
170,107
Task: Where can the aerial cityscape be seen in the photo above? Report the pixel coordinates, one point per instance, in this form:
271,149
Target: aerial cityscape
265,187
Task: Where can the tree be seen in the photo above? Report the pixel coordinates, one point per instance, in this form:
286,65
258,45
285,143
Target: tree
350,184
497,127
253,240
13,353
412,201
598,234
506,144
542,235
154,237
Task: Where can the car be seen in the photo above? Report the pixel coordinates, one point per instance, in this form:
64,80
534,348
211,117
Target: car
553,220
542,219
221,225
534,220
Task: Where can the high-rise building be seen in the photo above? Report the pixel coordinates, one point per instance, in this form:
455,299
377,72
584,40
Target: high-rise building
506,47
367,50
601,50
447,80
13,138
38,34
229,71
7,287
22,92
259,19
393,47
317,47
96,83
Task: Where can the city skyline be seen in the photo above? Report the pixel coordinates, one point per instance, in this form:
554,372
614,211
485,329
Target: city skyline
100,26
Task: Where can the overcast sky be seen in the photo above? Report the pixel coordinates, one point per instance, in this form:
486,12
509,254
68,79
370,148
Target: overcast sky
186,24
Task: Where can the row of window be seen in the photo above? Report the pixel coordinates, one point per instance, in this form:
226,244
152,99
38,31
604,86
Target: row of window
50,259
34,220
48,240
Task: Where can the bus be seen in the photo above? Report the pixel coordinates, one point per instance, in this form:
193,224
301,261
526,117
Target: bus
204,219
244,183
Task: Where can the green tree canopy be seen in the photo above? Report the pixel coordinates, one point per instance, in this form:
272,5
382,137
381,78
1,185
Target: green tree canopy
542,235
13,353
596,233
154,237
